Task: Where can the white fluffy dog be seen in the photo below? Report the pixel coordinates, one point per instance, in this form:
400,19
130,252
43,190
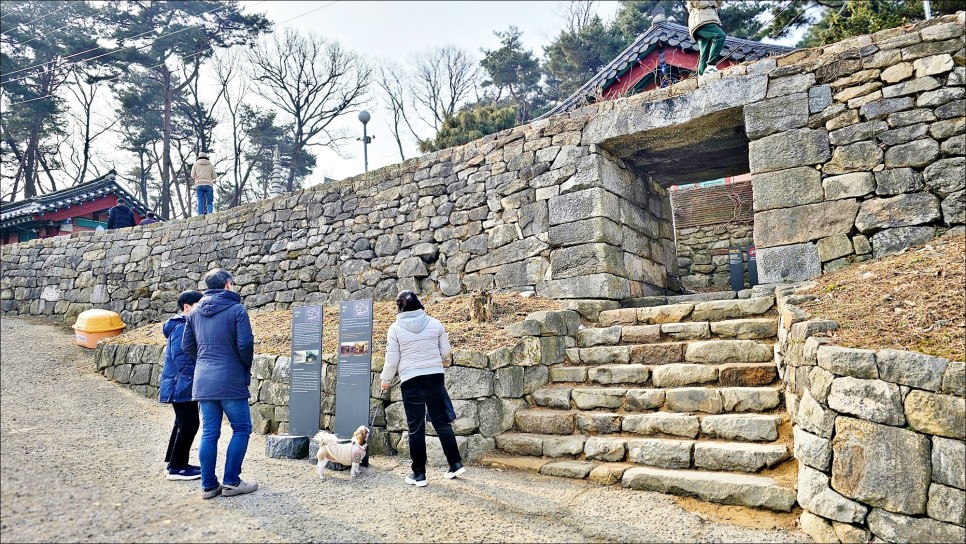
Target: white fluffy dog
351,453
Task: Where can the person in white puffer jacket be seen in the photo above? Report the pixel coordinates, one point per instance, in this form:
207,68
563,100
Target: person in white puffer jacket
415,348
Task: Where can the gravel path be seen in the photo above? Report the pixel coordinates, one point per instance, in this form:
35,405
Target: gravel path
81,461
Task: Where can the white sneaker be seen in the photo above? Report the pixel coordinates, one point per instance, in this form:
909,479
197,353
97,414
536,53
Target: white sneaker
418,480
711,70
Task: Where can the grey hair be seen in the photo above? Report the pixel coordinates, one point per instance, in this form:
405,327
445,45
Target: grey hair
218,278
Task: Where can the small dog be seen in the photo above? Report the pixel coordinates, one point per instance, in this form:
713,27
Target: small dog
351,453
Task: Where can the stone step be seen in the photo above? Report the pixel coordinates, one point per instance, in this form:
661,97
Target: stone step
709,400
716,310
720,487
741,329
670,375
656,452
695,351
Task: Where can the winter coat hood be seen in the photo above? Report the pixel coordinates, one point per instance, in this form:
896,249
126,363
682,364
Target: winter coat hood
414,321
216,301
171,324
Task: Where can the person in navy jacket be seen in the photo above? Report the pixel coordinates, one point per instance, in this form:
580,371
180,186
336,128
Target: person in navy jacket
175,389
218,336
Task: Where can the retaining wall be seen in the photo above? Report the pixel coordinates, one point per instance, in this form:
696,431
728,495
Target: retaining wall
486,388
879,436
699,264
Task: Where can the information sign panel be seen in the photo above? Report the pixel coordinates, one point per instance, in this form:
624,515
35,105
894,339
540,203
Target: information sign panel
355,362
305,376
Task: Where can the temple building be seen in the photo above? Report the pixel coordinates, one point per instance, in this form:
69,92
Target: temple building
79,208
663,55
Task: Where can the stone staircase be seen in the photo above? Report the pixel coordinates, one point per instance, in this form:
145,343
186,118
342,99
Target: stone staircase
681,398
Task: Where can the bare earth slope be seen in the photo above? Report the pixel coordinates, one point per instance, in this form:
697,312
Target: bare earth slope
913,301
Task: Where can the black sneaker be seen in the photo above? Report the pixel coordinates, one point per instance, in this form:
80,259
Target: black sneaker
186,473
456,469
418,480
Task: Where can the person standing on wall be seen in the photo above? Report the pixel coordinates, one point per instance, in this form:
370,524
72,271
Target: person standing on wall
218,336
415,348
203,176
120,216
149,219
704,25
177,377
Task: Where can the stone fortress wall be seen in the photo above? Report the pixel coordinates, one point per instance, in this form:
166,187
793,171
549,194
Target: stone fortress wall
856,413
856,149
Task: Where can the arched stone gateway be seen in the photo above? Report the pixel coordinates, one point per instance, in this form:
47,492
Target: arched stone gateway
856,149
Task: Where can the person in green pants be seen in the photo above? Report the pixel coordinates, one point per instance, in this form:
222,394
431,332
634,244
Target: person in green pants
704,24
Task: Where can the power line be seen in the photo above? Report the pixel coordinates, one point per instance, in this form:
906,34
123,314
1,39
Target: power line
23,78
763,27
62,8
208,48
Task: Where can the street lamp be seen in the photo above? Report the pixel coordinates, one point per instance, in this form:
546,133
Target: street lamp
366,140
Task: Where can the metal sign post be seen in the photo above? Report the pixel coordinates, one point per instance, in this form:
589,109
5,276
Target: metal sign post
354,367
305,378
752,266
736,269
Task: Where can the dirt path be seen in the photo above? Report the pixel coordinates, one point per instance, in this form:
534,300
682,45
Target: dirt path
81,461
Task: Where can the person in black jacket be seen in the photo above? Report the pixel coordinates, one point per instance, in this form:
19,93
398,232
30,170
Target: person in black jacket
121,216
218,336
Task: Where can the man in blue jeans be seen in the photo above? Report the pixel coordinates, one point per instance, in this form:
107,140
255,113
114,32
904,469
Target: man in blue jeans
218,336
203,176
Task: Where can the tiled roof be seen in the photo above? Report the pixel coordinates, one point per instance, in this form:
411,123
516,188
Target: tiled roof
104,185
668,34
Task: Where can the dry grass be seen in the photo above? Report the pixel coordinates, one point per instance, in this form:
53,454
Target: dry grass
273,330
911,301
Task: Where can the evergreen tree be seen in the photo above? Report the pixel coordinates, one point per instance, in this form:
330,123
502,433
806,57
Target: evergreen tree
516,72
472,122
841,19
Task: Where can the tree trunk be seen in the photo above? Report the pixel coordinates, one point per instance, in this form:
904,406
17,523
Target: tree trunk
166,147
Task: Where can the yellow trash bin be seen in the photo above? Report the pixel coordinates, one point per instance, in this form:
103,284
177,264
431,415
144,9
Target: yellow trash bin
94,325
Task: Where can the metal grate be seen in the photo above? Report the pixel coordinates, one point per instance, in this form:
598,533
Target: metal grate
731,203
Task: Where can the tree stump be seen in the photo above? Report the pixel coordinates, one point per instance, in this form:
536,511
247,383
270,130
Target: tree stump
481,307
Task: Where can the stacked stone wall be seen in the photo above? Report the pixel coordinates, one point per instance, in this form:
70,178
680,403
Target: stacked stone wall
487,388
856,150
861,156
879,436
699,265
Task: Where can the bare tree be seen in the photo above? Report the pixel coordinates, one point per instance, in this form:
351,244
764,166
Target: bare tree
578,13
442,79
234,84
392,83
314,81
85,91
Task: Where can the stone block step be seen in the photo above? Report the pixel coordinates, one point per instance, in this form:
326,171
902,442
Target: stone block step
741,329
739,427
669,375
656,452
696,351
709,400
716,310
720,487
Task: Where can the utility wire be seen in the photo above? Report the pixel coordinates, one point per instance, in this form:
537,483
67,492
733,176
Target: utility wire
210,47
23,78
62,8
765,26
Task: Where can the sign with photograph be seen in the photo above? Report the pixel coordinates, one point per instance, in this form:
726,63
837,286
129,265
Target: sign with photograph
305,376
355,361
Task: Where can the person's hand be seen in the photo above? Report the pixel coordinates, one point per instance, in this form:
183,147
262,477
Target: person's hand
385,386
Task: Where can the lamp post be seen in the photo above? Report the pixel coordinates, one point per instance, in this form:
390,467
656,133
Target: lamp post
366,140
